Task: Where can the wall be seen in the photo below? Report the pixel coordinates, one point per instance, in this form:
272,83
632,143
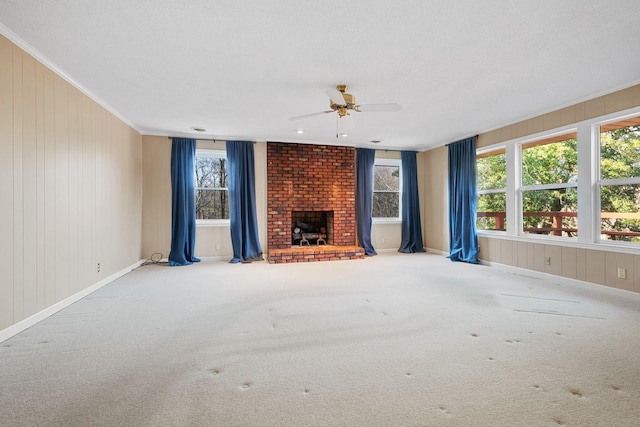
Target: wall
594,264
156,214
211,240
71,191
434,201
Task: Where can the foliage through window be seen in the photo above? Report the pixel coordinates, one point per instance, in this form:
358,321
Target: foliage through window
212,194
549,186
386,189
492,182
620,180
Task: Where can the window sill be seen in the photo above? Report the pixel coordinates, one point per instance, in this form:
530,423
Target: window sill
386,220
213,223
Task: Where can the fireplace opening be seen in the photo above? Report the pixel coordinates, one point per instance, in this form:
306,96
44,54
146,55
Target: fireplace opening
311,228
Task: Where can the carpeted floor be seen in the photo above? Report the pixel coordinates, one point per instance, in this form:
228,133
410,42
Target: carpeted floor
393,340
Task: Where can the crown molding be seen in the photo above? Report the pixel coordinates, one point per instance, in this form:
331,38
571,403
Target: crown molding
22,44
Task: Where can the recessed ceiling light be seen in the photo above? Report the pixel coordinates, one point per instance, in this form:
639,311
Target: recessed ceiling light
344,135
376,141
300,131
199,129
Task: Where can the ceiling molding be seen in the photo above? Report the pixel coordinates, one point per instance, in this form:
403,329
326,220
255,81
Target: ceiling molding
18,41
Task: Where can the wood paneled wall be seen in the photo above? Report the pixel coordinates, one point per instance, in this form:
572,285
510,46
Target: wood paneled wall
70,188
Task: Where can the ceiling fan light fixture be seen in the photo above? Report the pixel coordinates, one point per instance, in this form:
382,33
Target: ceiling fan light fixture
299,131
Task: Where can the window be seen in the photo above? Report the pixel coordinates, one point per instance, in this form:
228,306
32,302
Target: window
492,182
543,188
549,186
387,189
619,180
212,194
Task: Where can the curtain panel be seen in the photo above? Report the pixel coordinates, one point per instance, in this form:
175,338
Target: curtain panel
242,202
183,205
365,159
463,238
411,228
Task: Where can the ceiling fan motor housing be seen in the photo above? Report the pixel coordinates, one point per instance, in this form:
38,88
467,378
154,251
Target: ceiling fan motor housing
349,102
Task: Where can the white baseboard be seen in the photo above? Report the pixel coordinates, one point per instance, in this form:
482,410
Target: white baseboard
215,258
536,273
551,277
386,250
437,251
16,328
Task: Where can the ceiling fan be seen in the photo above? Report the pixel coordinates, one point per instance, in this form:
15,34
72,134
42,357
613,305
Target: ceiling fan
342,102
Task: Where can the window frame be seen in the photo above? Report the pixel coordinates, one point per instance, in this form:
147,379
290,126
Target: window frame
599,182
485,152
216,154
389,162
588,185
521,188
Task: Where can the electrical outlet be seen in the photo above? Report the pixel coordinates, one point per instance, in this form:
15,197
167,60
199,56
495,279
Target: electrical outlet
547,261
98,268
622,273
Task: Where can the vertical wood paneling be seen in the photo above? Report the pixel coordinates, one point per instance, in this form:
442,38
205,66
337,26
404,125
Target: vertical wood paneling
569,262
88,190
18,208
6,178
29,184
99,189
40,184
61,136
135,210
74,193
157,196
595,267
60,196
49,190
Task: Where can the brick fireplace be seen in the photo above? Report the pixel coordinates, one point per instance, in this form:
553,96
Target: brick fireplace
311,178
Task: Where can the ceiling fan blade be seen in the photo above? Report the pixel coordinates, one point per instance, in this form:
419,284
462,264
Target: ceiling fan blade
310,115
336,96
371,108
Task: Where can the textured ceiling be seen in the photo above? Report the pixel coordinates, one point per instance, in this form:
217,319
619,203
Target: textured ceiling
240,69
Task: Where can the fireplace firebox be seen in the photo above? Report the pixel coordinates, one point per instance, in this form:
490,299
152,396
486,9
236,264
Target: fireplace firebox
311,228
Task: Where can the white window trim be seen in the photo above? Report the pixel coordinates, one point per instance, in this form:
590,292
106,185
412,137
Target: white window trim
520,189
485,150
595,127
398,219
216,154
588,188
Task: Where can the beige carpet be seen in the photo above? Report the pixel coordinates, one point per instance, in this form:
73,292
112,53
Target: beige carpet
393,340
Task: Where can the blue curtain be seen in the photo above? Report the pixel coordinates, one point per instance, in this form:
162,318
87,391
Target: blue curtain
463,238
411,228
183,205
242,202
365,159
